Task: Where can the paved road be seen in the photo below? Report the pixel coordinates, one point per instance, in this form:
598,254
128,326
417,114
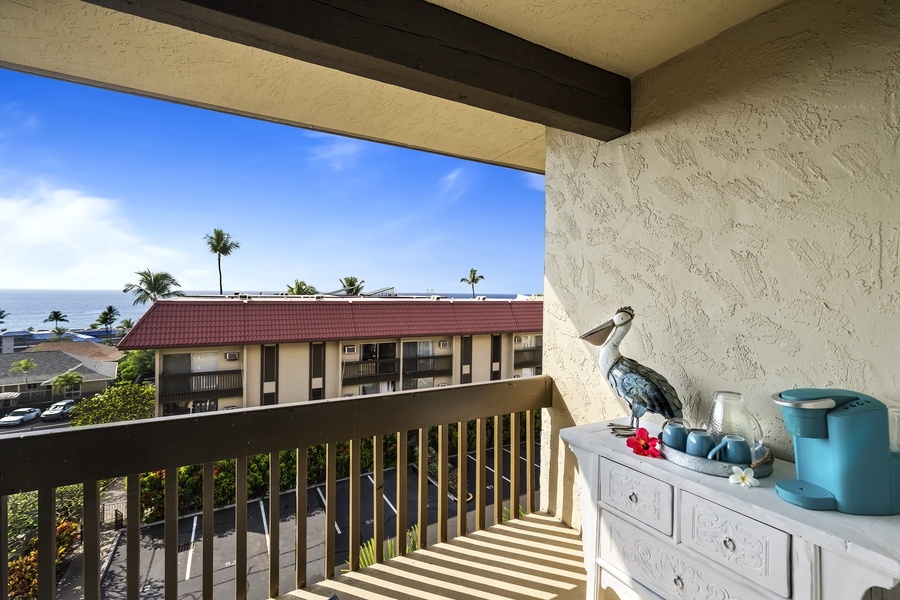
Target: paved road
190,536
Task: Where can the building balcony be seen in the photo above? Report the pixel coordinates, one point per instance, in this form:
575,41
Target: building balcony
528,357
463,551
185,387
370,371
428,366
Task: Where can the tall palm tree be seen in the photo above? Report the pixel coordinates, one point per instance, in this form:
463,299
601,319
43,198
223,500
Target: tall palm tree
108,318
301,288
56,316
221,244
3,315
353,285
472,279
124,325
152,286
24,366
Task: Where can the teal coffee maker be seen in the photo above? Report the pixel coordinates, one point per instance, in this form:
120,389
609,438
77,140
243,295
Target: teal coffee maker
842,449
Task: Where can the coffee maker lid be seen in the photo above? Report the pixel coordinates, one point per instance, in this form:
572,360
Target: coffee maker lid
812,398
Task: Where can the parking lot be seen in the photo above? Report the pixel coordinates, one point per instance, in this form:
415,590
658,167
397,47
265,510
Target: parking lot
190,535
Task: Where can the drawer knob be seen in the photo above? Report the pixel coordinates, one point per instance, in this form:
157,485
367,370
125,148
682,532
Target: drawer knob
679,582
633,497
729,544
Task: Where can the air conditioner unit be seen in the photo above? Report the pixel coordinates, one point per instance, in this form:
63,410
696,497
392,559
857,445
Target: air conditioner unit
443,344
517,340
442,385
349,349
232,355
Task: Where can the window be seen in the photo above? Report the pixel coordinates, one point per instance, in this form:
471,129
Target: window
496,348
369,388
202,406
269,399
73,392
317,394
466,351
350,349
270,363
317,356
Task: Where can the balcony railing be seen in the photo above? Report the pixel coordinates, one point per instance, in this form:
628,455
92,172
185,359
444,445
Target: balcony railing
527,357
183,387
428,366
46,460
371,371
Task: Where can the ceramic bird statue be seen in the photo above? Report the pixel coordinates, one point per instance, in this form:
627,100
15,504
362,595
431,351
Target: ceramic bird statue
641,387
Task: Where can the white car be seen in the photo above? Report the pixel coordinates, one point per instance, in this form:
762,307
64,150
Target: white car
19,416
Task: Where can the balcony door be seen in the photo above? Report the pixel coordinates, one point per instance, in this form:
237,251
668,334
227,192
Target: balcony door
418,357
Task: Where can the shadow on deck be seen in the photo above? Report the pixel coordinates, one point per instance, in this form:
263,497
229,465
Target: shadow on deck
532,557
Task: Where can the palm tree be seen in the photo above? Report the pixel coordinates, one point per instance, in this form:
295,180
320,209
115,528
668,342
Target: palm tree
3,315
352,285
56,316
472,279
58,333
221,244
24,366
300,288
108,318
66,381
124,325
152,286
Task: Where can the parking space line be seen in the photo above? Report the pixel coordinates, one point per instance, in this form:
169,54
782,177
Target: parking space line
322,496
502,476
262,510
522,458
190,558
393,508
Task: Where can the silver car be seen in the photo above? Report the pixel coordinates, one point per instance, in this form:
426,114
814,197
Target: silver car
58,410
19,416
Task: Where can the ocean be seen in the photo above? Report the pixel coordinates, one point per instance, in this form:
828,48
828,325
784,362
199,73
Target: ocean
29,308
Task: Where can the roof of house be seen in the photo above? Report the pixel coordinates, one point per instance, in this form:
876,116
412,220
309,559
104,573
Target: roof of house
186,322
51,363
100,352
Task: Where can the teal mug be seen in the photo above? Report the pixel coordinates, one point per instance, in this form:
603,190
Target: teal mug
699,443
674,435
732,449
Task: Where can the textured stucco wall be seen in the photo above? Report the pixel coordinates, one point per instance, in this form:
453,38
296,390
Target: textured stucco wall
752,219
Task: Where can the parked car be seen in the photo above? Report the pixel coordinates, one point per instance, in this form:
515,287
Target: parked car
19,416
59,410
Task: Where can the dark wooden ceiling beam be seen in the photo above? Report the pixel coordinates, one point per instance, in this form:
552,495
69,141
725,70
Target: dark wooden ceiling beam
415,45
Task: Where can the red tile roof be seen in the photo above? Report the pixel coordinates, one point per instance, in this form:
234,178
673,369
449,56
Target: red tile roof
215,322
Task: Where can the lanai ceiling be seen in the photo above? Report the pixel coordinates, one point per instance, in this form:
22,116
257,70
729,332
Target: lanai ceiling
160,52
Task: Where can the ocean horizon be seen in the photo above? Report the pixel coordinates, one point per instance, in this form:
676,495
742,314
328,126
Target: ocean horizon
28,308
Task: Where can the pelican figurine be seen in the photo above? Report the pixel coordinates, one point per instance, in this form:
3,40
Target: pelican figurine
641,387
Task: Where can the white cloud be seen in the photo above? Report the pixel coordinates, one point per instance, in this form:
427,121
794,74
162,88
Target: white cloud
62,239
453,184
534,181
338,154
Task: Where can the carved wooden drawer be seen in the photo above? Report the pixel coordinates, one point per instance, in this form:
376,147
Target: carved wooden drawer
743,545
631,554
637,495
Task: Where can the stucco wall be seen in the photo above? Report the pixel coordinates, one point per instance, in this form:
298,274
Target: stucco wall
752,219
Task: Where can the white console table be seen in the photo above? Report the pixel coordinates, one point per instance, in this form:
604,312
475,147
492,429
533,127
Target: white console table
653,529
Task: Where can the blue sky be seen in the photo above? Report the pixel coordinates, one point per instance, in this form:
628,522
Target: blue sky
95,185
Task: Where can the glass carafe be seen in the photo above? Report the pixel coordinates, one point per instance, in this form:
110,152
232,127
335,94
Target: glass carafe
729,415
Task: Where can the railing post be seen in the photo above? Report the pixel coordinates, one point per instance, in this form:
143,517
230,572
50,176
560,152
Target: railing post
274,521
423,488
480,484
90,540
378,496
402,453
529,461
171,534
498,470
133,543
354,504
240,528
209,507
443,486
46,544
515,441
462,476
300,542
330,506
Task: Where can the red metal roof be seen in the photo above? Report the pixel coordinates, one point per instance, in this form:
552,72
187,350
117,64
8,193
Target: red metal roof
225,321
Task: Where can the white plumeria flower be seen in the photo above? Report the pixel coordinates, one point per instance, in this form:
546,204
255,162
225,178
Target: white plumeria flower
744,477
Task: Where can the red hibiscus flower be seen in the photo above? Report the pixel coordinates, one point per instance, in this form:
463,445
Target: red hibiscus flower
641,443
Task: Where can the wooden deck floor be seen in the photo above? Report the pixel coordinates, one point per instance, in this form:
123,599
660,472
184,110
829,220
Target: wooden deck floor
535,557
